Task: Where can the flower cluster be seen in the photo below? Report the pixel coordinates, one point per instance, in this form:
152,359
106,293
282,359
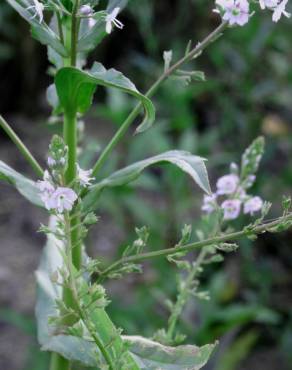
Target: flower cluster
237,12
85,11
57,197
277,6
233,187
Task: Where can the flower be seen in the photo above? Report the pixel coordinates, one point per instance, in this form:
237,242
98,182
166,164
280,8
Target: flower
253,205
111,19
56,162
231,208
268,3
280,10
62,199
39,10
86,10
209,203
227,184
46,188
234,11
84,176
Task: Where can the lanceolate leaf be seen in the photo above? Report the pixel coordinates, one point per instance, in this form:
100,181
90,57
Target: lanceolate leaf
92,36
153,355
25,186
40,31
75,89
193,165
143,353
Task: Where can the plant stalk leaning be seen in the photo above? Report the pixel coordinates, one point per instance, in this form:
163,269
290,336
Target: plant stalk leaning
71,307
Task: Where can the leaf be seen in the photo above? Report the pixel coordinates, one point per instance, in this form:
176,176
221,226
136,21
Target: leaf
40,31
25,186
75,89
92,36
152,355
191,164
146,353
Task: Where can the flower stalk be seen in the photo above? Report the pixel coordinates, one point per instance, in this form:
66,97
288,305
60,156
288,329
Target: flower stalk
246,232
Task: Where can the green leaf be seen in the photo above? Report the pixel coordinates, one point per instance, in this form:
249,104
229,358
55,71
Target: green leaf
143,353
152,355
191,164
92,36
25,186
40,31
75,89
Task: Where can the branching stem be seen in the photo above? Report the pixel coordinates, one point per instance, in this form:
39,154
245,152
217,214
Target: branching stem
124,127
247,232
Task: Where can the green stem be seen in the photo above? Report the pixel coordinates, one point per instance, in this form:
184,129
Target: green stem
183,295
21,147
60,28
265,227
74,33
130,119
70,139
58,362
74,294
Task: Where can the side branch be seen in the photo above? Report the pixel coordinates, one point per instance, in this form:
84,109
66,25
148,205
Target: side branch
126,124
247,232
21,147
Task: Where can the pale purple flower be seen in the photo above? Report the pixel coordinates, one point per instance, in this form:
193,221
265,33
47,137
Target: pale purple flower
91,22
84,176
39,10
111,20
241,193
54,162
62,199
209,203
46,188
253,205
51,162
270,4
86,9
227,184
234,11
231,208
280,10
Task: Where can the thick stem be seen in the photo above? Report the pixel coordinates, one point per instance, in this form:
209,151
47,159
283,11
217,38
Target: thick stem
21,147
265,227
130,119
70,139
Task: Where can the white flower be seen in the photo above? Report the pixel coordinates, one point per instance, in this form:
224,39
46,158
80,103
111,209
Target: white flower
62,199
209,203
231,208
39,10
84,176
234,11
111,20
253,205
227,184
280,10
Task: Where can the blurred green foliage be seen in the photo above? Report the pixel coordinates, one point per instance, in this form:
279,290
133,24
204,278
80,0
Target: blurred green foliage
248,92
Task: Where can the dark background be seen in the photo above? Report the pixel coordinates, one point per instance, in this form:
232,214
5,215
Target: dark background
248,93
